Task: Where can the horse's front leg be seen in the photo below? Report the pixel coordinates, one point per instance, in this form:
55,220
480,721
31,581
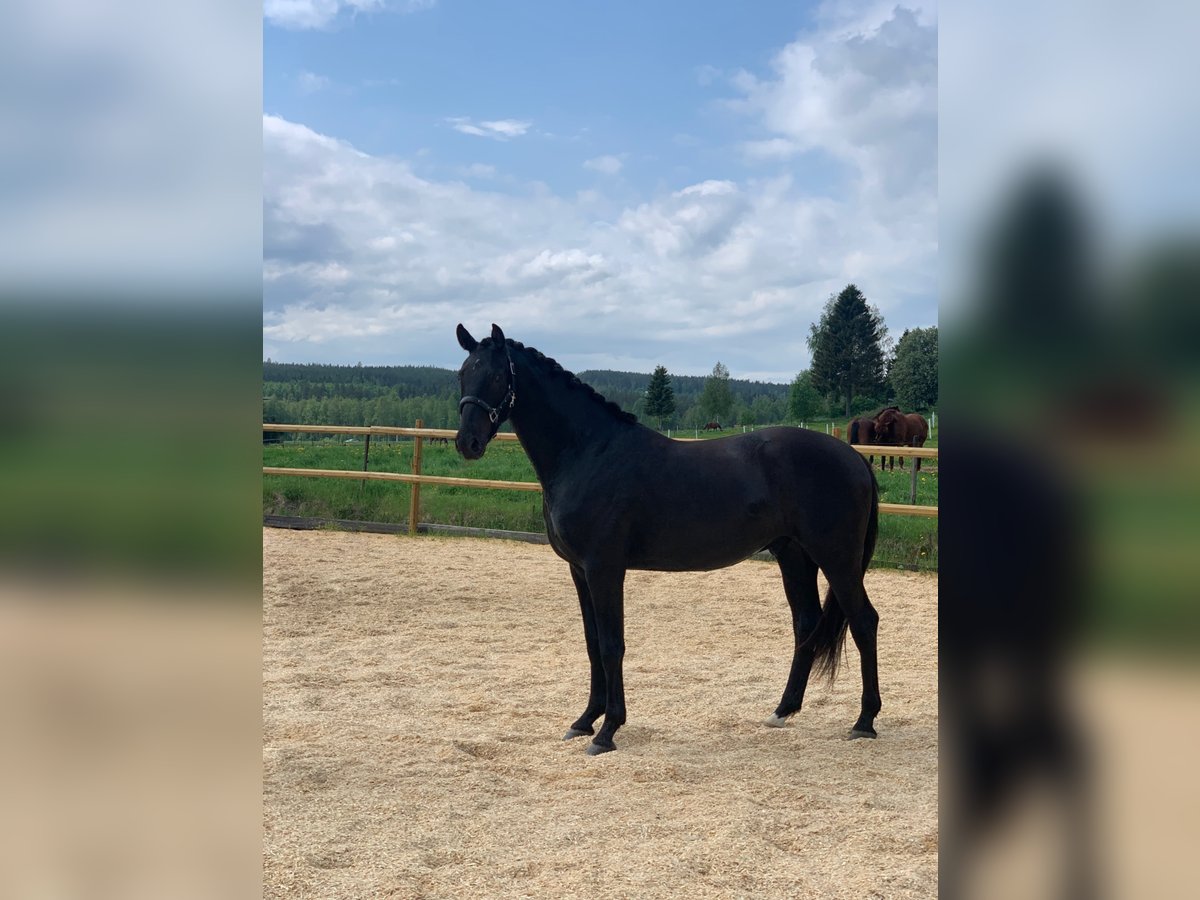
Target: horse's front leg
606,585
596,690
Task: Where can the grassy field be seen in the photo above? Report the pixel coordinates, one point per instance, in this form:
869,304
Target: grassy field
903,540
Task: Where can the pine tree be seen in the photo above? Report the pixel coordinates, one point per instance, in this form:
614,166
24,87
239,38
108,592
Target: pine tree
660,397
847,347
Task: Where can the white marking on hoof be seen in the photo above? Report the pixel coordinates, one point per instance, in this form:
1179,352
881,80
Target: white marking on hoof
775,721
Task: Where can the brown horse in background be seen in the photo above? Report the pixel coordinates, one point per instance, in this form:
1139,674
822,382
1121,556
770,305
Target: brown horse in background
896,429
862,431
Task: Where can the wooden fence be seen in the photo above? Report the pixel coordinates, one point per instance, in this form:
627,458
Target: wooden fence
416,479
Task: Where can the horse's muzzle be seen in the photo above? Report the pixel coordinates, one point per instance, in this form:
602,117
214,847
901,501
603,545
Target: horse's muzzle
469,446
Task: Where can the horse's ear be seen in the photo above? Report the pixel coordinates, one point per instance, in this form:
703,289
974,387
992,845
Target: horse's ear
465,340
497,334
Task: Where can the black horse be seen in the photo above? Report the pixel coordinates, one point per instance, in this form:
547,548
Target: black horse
619,496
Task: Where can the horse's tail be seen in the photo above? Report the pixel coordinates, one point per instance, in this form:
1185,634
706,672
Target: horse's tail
854,431
829,639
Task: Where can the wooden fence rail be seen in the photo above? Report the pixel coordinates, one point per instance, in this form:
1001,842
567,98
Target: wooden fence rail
406,477
416,478
377,429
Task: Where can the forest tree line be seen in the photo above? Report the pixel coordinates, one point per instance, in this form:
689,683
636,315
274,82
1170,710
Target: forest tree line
855,369
319,394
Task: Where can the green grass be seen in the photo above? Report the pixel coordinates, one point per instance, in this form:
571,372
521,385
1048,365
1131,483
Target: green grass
907,541
380,501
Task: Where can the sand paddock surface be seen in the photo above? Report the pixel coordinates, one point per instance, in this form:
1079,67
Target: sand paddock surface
415,691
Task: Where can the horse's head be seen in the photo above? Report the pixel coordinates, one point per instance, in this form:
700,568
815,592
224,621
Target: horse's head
488,385
887,424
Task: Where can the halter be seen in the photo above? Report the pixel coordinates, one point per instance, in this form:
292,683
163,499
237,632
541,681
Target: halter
507,402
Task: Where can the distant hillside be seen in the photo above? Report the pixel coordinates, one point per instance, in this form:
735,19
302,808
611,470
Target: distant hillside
687,388
315,393
313,379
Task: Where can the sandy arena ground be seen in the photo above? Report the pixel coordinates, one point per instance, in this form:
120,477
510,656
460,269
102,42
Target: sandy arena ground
415,691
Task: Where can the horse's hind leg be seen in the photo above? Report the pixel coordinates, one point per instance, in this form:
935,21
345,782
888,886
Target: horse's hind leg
800,585
596,691
863,620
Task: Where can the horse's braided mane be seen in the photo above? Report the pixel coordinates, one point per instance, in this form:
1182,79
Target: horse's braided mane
552,368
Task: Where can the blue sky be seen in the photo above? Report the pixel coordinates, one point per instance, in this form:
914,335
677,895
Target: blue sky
620,185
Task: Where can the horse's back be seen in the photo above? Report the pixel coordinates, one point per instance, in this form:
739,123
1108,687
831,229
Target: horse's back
862,430
813,450
654,503
918,429
800,469
823,489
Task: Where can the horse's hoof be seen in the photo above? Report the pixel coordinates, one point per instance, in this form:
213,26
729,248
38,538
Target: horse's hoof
594,749
574,733
775,721
856,733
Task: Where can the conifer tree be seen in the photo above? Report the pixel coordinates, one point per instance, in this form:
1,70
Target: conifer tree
847,347
660,397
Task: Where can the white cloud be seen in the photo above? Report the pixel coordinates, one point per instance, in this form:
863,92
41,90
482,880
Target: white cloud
310,14
479,170
709,188
363,259
573,266
605,165
497,129
864,93
507,127
771,149
310,82
300,13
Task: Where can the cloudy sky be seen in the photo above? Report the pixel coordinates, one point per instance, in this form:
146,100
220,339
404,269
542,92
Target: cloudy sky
621,185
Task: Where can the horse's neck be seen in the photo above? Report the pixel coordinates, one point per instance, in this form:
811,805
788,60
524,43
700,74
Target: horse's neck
553,420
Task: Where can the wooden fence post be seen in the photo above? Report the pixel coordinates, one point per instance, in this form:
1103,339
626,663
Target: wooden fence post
366,451
912,491
837,432
414,500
